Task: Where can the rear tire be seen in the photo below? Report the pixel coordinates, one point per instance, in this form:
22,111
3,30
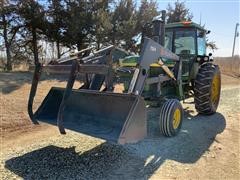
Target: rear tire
171,116
207,89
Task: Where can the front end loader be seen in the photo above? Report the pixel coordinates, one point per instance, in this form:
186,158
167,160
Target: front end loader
161,74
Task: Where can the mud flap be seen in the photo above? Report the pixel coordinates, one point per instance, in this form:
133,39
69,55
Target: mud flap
118,118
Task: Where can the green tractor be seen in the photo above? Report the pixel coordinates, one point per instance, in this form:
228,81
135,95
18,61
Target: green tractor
171,67
199,77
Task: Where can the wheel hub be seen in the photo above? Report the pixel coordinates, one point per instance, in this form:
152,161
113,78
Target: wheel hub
215,89
176,118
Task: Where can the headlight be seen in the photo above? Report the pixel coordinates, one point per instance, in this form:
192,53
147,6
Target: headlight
205,58
198,59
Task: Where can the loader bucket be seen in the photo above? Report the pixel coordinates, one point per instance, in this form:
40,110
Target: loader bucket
118,118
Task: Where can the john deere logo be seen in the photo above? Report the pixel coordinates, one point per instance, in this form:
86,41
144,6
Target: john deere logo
152,48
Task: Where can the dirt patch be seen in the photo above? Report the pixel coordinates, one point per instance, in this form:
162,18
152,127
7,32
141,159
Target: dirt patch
15,88
229,81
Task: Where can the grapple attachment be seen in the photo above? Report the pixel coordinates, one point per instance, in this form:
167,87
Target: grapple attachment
119,118
115,117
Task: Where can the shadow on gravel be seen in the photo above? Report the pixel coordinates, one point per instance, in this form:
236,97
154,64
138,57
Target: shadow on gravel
54,162
133,161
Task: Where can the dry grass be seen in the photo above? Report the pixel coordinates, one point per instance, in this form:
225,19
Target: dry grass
229,65
16,67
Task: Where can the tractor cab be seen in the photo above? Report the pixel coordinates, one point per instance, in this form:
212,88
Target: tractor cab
188,41
185,39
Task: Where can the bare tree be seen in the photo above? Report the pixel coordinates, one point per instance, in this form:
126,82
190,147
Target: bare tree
10,26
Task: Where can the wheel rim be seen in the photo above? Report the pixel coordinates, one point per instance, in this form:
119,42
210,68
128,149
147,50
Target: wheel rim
176,118
215,89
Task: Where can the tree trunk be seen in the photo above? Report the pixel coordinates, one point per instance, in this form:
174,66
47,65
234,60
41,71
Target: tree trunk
7,44
35,49
58,50
9,58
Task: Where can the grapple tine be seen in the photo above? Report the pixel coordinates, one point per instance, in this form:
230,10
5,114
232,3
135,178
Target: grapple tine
35,80
66,95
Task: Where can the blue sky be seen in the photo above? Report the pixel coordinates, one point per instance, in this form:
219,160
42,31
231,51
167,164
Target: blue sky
219,16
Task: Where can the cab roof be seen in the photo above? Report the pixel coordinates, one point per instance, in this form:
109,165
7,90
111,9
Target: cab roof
184,24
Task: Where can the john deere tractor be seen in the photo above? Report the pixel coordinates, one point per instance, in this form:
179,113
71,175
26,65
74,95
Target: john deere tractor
171,67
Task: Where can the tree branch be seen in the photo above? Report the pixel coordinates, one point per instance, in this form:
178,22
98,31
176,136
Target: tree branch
15,30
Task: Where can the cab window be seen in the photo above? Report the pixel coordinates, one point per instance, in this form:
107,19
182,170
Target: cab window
184,42
201,43
168,40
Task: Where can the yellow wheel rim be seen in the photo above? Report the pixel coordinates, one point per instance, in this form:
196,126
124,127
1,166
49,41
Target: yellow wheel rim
215,89
176,118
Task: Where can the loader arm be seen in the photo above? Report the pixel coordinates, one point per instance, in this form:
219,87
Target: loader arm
150,54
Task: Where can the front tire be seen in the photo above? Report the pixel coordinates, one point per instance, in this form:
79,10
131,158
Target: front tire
171,116
207,89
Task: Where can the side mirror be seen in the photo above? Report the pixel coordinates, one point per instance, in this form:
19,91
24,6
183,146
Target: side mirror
208,32
201,34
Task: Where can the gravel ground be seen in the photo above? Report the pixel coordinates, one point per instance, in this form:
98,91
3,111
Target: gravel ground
206,148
